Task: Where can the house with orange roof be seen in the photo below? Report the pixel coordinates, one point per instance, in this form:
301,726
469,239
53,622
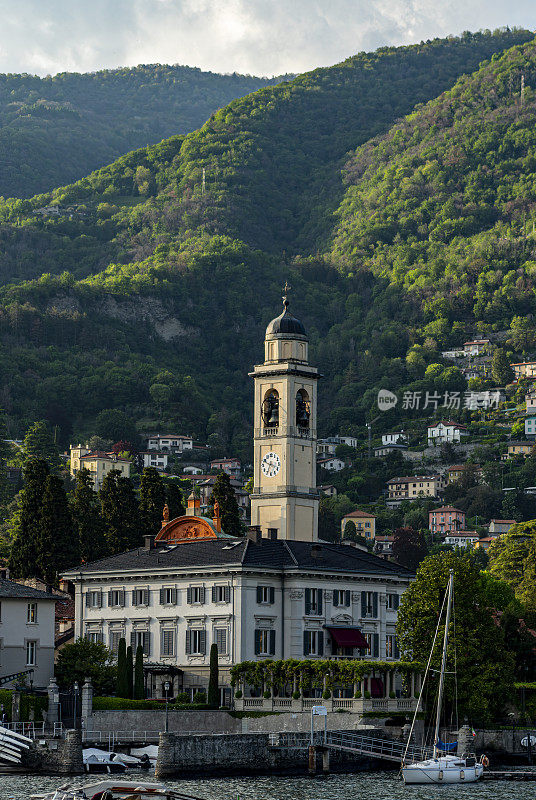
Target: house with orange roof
364,521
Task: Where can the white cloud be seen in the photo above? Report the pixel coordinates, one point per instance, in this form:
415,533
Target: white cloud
256,36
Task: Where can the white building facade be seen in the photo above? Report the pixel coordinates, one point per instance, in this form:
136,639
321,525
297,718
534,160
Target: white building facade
255,599
26,632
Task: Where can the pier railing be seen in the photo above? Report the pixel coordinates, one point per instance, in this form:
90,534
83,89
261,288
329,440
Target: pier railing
353,742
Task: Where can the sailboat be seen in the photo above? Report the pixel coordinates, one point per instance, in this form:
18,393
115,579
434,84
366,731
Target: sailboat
442,767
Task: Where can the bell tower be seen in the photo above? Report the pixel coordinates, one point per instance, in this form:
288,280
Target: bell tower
284,502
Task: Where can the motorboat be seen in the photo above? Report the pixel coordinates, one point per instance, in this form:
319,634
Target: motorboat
112,790
443,766
98,761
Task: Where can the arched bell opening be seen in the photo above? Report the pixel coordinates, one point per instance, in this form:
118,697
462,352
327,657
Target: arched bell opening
270,409
303,409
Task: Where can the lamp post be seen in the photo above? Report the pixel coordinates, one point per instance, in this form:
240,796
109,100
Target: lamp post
75,691
166,689
513,717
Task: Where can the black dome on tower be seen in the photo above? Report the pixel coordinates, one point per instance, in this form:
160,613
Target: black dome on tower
286,323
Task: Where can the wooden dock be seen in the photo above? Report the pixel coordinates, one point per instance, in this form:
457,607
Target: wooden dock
509,775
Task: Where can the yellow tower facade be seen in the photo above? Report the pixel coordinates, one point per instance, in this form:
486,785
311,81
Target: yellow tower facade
284,502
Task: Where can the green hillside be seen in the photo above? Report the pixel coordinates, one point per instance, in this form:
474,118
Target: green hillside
151,282
444,205
56,129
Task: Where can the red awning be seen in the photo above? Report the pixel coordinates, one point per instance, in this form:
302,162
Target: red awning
348,637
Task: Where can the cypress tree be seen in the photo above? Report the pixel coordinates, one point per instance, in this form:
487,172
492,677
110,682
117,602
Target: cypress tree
122,683
224,494
39,444
152,499
25,547
139,687
57,548
130,673
87,519
174,500
120,513
213,690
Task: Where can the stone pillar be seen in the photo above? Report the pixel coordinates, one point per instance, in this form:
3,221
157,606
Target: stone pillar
53,713
312,760
87,704
325,760
72,762
15,706
387,684
165,762
412,689
362,687
465,740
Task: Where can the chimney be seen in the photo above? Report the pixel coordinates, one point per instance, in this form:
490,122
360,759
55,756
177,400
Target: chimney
316,550
148,542
254,533
272,533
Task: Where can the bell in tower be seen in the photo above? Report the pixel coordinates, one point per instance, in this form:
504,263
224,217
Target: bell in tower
285,498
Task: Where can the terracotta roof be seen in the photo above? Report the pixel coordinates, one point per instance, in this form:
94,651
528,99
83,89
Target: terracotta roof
508,521
359,513
414,478
446,508
447,422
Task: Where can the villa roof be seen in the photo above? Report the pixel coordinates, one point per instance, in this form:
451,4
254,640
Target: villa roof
446,508
240,552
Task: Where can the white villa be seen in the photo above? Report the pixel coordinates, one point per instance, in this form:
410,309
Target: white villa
278,593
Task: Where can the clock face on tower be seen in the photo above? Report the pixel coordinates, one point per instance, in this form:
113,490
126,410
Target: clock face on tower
271,464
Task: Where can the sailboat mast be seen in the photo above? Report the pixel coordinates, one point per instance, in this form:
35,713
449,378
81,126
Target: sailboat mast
443,662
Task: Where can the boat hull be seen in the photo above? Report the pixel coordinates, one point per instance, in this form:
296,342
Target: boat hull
414,774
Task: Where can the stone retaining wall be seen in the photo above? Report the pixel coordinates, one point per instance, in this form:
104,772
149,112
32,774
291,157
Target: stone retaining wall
245,754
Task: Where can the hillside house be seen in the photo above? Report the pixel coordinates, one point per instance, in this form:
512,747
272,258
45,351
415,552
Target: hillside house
328,446
455,472
398,437
328,490
499,526
98,463
231,466
461,538
518,448
530,403
384,449
169,443
383,546
153,458
413,487
446,431
206,487
331,464
364,521
476,347
445,519
524,369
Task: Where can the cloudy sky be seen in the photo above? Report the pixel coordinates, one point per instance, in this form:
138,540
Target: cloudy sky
263,37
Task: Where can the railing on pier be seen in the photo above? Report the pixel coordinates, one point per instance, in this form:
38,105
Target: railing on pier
359,743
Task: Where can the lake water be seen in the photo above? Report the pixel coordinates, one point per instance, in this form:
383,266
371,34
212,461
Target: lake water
363,786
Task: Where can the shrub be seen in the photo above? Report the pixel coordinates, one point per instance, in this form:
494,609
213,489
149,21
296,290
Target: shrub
266,694
357,696
238,694
392,695
296,695
200,698
367,695
182,697
326,694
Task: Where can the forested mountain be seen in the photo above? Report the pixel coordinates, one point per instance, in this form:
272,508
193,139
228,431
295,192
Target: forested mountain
56,129
151,280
